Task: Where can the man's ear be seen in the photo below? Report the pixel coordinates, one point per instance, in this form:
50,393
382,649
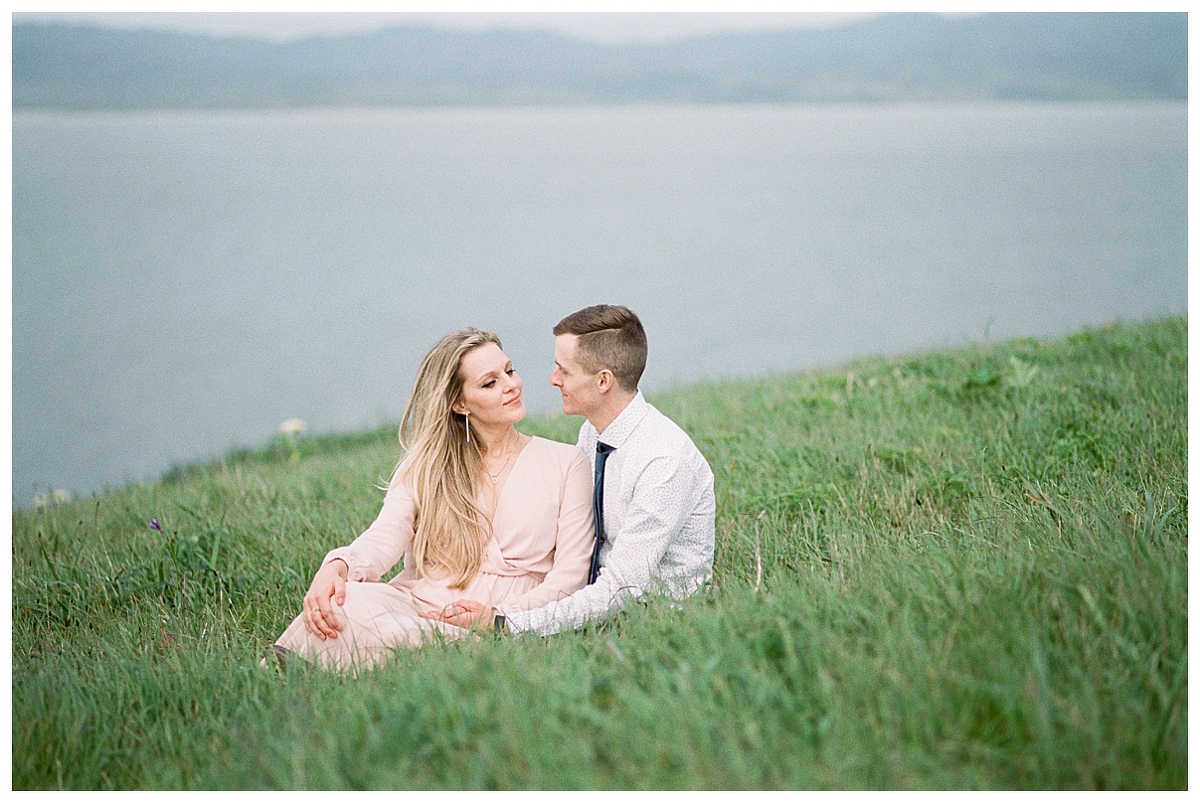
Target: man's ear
606,380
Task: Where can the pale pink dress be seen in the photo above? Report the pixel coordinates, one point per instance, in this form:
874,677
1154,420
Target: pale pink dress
539,553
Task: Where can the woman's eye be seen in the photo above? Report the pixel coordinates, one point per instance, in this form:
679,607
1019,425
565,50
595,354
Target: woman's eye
489,383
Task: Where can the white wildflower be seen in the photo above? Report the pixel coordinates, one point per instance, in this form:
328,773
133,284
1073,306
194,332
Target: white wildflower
292,427
1022,373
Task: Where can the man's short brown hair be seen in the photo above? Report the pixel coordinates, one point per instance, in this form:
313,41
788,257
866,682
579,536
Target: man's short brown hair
609,337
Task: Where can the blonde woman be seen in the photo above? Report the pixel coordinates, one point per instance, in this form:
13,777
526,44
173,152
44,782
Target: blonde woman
475,509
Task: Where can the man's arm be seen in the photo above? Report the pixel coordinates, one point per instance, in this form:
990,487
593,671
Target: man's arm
655,516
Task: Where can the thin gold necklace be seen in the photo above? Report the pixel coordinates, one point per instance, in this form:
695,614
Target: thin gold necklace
495,477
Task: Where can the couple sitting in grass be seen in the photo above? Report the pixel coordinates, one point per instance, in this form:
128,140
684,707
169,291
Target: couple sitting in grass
501,532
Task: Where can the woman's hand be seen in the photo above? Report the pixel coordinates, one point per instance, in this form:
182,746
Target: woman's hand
328,587
466,613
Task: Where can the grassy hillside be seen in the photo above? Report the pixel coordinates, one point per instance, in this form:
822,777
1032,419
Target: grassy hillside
965,569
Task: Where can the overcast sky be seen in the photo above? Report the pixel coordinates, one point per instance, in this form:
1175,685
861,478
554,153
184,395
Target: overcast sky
607,27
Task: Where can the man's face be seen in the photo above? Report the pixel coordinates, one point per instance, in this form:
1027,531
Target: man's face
580,389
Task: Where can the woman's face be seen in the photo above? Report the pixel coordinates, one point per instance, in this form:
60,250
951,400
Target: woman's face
491,392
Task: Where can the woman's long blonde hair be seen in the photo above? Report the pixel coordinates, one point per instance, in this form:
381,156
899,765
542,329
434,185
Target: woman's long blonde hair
441,467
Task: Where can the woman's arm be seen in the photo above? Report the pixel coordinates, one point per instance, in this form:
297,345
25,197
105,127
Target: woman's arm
382,544
574,534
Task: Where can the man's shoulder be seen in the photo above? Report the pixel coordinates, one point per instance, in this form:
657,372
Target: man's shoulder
659,430
663,426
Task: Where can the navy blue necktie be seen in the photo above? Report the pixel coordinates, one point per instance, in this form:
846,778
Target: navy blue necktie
602,452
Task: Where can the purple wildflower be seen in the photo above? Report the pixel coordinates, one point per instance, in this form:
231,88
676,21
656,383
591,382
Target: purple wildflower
154,525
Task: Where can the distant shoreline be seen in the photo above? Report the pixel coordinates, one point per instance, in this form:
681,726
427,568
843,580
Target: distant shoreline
886,59
33,112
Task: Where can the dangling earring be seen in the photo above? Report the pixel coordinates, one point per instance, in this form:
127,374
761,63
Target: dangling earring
467,423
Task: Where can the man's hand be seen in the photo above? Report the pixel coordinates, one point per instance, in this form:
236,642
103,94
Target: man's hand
465,613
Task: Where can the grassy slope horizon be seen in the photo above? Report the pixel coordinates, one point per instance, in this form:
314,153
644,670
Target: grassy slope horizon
958,569
552,424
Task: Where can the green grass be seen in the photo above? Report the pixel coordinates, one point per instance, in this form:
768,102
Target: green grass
963,569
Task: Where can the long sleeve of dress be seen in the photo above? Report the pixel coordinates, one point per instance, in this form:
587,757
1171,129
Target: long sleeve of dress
573,542
382,544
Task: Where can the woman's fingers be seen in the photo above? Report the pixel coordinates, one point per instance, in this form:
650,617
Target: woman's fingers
328,623
437,616
321,620
327,616
313,619
452,614
315,622
318,614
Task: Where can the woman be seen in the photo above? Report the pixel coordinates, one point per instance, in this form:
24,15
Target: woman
475,508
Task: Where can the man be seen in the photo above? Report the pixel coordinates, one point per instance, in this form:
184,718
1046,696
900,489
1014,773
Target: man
655,526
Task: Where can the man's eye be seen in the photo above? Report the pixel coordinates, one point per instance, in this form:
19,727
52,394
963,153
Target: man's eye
511,371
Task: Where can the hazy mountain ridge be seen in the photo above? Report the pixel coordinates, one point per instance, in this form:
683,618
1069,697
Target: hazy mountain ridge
895,57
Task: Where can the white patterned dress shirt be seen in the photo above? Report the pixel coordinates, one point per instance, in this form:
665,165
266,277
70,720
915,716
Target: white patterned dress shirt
659,512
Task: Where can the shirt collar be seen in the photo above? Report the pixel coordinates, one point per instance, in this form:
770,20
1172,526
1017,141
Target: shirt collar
616,433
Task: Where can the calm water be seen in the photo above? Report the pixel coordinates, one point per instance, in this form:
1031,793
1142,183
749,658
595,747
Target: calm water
184,282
